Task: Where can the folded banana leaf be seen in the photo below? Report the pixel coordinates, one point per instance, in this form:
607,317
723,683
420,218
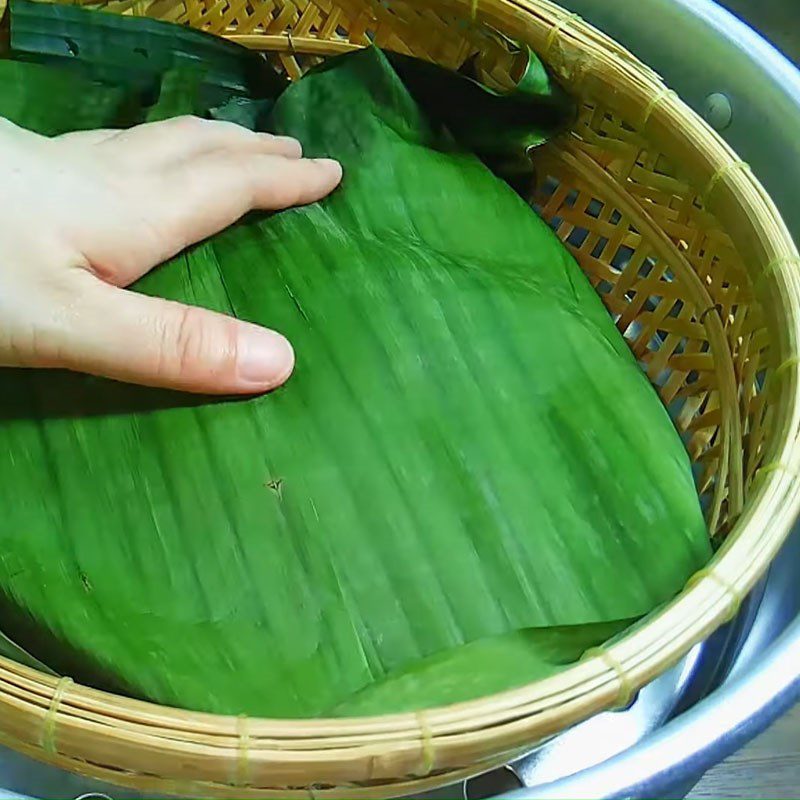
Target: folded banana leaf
500,128
135,52
466,483
478,669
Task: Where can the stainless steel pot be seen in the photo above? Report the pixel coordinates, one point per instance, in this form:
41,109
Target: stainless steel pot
734,685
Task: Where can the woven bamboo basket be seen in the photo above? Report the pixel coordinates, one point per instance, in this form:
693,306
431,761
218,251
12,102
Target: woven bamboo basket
695,265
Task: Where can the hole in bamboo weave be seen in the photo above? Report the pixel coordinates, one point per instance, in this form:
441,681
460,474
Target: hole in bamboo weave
600,246
604,287
623,255
555,222
646,268
577,237
676,309
595,208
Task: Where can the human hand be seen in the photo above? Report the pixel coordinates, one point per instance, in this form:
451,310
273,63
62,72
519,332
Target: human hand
86,214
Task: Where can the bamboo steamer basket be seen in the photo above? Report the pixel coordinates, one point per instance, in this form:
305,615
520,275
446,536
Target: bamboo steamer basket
694,263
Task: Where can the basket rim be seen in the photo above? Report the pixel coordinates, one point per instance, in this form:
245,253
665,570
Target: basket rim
39,711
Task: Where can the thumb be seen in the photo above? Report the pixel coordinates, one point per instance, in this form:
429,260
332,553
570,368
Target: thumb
131,337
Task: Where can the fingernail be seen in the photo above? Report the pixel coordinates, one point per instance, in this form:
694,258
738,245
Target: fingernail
290,146
265,358
329,164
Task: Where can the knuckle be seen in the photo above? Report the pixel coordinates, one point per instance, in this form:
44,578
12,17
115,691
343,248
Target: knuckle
246,179
279,185
230,130
186,125
287,145
189,121
214,129
201,344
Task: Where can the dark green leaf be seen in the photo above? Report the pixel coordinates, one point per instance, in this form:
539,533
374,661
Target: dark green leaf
484,120
501,128
134,52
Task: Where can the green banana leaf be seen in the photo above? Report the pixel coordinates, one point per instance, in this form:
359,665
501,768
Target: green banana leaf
467,481
134,52
478,669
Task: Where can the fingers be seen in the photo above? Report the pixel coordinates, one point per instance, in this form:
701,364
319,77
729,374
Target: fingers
207,195
130,337
183,180
184,138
